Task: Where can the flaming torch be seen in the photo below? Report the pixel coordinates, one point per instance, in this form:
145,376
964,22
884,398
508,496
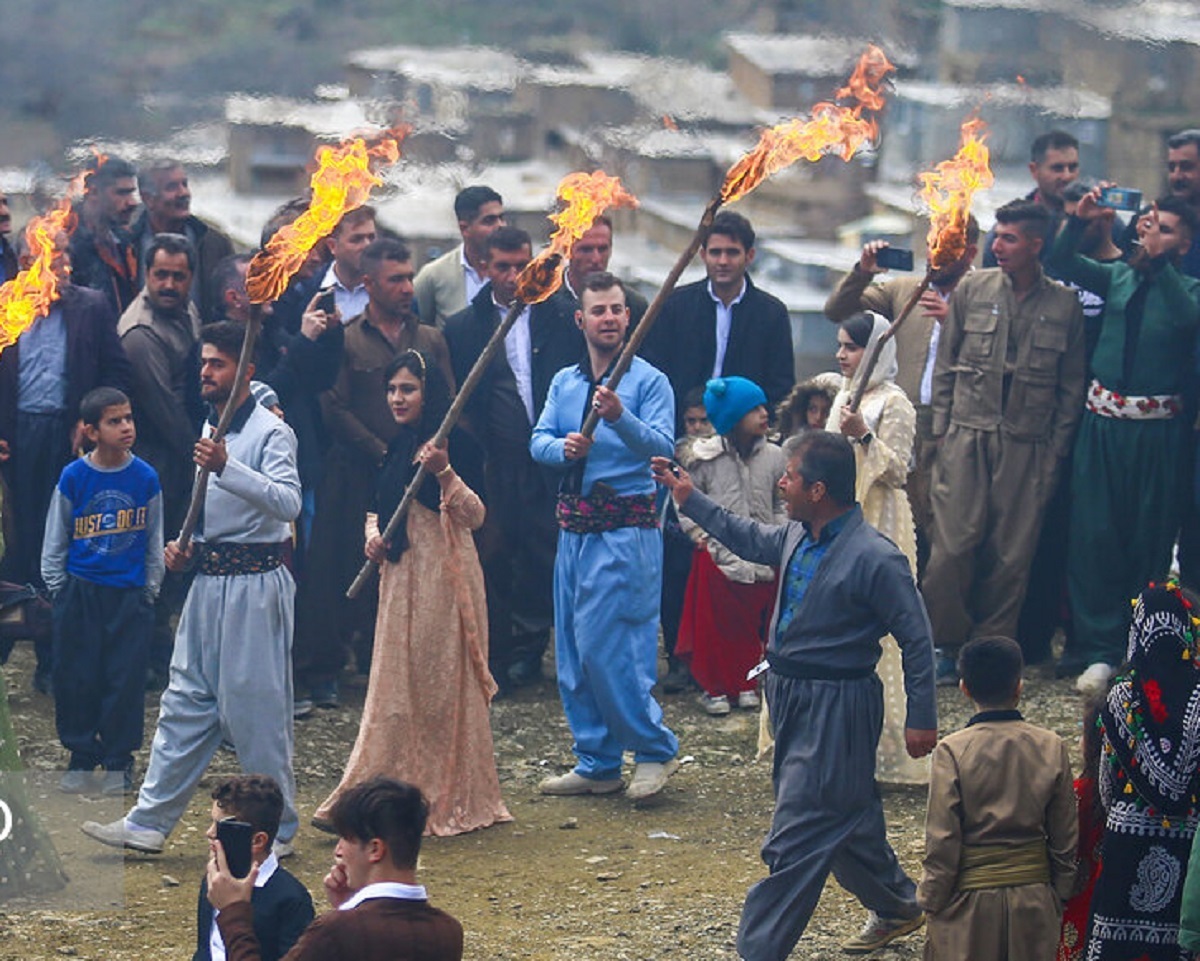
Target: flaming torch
947,191
830,129
30,295
583,197
342,182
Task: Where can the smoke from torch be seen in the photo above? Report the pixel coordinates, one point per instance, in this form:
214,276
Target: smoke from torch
828,129
342,182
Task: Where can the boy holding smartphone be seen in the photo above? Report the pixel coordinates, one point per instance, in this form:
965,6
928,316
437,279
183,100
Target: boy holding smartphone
283,907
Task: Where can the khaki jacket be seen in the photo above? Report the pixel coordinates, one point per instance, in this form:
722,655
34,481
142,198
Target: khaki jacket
1016,366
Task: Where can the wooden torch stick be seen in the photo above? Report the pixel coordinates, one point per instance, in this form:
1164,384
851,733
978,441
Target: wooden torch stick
868,367
465,390
625,361
200,485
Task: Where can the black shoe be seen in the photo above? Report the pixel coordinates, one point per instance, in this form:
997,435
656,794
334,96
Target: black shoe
525,672
677,679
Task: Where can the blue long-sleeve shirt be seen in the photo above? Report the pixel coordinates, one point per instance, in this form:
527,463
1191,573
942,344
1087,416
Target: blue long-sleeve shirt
105,526
621,450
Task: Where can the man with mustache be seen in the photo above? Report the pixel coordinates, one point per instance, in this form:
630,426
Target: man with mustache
159,332
101,255
167,197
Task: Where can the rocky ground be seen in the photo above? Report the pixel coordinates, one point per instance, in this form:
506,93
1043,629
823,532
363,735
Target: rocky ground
578,879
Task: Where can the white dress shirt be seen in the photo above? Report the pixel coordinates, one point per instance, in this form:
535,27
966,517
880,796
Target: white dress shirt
519,349
396,890
351,301
216,946
473,279
724,323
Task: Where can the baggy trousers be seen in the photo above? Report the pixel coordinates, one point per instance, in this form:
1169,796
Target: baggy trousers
989,496
101,650
606,597
828,814
231,678
1128,488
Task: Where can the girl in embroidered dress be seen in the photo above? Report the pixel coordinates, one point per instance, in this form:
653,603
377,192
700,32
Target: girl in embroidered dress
425,720
882,432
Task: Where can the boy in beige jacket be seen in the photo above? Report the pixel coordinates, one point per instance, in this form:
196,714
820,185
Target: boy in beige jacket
1001,828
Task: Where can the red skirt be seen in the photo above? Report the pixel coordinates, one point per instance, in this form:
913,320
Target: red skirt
723,626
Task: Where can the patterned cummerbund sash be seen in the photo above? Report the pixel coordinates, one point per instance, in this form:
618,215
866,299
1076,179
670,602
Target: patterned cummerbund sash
224,559
600,512
1108,403
995,866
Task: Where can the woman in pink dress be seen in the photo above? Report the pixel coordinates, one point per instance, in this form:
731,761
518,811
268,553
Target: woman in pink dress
425,720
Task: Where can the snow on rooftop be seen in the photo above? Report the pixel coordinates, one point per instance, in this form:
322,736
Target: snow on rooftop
807,55
324,118
483,68
1060,101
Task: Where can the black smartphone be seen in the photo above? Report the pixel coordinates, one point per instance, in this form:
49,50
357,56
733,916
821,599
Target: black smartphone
327,301
1120,198
235,837
894,258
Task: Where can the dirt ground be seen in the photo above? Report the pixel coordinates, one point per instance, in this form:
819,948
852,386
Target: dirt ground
571,878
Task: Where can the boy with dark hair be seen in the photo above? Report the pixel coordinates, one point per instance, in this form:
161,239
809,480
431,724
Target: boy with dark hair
102,561
380,912
283,907
1001,829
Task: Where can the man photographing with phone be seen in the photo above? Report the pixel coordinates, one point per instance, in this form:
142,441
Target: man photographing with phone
380,912
252,805
916,348
1130,466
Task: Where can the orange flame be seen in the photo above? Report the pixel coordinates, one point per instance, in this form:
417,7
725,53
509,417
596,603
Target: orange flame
342,182
30,295
668,122
829,129
584,198
948,191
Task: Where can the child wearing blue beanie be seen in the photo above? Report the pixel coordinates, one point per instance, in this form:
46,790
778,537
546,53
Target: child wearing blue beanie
728,600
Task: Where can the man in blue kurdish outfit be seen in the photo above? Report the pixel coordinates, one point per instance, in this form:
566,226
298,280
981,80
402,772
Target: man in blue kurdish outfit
608,570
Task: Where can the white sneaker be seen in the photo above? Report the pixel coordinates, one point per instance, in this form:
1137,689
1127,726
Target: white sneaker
122,834
650,777
715,704
283,849
748,701
1094,681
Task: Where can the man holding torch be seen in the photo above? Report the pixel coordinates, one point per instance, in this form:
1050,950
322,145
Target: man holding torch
842,587
608,569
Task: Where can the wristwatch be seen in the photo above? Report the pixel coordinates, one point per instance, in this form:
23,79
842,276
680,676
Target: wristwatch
866,438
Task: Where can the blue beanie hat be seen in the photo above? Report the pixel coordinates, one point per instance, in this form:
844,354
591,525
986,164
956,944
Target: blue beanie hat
728,399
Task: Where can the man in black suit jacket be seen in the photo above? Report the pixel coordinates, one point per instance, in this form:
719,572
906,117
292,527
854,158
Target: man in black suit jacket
724,325
69,352
282,905
517,544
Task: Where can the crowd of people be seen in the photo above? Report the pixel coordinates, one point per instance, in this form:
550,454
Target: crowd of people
1016,460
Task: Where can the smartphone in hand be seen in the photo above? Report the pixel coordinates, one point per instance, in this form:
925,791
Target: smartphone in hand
1120,198
327,301
894,258
235,837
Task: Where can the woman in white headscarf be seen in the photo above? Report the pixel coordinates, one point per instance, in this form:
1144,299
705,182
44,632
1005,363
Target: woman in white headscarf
881,431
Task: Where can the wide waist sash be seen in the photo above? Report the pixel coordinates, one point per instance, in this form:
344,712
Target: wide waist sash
1108,403
996,866
229,558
